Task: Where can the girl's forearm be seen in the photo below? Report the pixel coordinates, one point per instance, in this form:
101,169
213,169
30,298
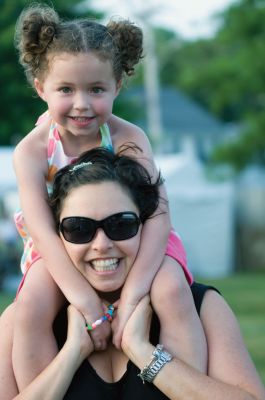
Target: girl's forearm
71,282
149,258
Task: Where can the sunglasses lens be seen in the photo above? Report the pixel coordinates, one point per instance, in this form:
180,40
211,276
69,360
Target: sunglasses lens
121,226
77,229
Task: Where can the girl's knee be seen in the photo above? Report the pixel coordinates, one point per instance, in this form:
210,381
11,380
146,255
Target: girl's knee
8,315
170,290
34,309
170,282
28,309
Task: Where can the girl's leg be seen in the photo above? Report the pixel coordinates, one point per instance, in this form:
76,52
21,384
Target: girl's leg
8,386
181,329
37,304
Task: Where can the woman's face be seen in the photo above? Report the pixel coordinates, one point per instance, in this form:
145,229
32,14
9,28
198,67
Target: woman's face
105,263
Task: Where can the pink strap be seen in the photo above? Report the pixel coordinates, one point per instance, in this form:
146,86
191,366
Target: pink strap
175,249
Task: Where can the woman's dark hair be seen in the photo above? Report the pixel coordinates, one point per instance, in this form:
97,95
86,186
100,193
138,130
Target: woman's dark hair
102,165
41,34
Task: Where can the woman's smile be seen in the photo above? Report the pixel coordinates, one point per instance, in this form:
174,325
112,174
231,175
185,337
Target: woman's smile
105,265
104,262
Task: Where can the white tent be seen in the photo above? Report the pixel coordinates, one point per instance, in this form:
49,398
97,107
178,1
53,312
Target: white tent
7,175
202,213
8,184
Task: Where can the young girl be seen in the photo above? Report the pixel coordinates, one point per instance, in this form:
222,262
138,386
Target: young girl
77,68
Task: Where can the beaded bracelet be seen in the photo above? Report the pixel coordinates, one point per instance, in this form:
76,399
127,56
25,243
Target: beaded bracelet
106,317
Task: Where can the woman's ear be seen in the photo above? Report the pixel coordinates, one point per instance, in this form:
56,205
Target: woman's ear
39,89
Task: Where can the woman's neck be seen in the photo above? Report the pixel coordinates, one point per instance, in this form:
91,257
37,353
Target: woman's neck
110,297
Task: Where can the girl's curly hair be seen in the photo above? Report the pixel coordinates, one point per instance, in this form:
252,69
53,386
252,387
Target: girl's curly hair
41,34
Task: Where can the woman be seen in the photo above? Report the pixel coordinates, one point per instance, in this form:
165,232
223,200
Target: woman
99,208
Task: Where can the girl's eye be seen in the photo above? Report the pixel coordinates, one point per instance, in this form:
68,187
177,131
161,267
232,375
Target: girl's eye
65,90
97,90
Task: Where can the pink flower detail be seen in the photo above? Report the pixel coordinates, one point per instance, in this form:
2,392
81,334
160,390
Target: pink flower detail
51,147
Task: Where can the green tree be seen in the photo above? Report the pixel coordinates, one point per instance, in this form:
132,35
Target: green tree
20,107
226,75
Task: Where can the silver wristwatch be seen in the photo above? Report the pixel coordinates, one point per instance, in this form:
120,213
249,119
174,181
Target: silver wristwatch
159,358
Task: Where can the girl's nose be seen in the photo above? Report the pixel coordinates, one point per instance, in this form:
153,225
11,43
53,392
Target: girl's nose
101,242
81,101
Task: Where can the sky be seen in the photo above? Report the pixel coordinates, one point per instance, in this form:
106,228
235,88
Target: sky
191,19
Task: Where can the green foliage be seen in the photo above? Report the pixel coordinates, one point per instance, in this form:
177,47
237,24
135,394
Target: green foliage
226,75
20,106
248,148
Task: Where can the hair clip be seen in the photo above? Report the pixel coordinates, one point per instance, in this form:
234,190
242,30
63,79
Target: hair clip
81,165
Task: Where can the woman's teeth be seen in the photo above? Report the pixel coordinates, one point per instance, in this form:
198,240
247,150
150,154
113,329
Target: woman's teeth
109,264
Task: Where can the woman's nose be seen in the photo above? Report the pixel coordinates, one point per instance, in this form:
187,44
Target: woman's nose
101,242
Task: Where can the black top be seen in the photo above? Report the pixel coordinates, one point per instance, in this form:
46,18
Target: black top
86,383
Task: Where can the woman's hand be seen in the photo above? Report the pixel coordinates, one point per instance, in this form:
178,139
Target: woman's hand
78,337
135,339
124,312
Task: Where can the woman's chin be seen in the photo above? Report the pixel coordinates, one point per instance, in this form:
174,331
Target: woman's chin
108,287
107,282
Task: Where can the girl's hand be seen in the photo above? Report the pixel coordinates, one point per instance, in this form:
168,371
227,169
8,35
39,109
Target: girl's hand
136,332
77,335
101,334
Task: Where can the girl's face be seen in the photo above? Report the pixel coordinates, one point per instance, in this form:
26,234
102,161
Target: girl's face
79,90
105,263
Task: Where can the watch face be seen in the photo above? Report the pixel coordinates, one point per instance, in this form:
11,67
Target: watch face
159,359
168,356
156,353
158,350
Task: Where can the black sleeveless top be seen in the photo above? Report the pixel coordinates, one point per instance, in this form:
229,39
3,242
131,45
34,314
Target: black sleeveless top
86,383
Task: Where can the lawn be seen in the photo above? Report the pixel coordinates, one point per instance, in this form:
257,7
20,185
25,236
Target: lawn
246,295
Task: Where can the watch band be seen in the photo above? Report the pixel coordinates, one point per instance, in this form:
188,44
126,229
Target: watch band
159,358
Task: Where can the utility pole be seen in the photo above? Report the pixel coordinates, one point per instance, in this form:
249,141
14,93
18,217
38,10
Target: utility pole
151,82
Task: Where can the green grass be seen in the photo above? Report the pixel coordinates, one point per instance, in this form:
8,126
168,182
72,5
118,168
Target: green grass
245,293
5,300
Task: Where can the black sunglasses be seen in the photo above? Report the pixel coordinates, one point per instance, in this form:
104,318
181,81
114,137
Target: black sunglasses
120,226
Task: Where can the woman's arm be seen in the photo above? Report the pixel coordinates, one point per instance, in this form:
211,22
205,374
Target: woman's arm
30,162
229,360
231,373
54,381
